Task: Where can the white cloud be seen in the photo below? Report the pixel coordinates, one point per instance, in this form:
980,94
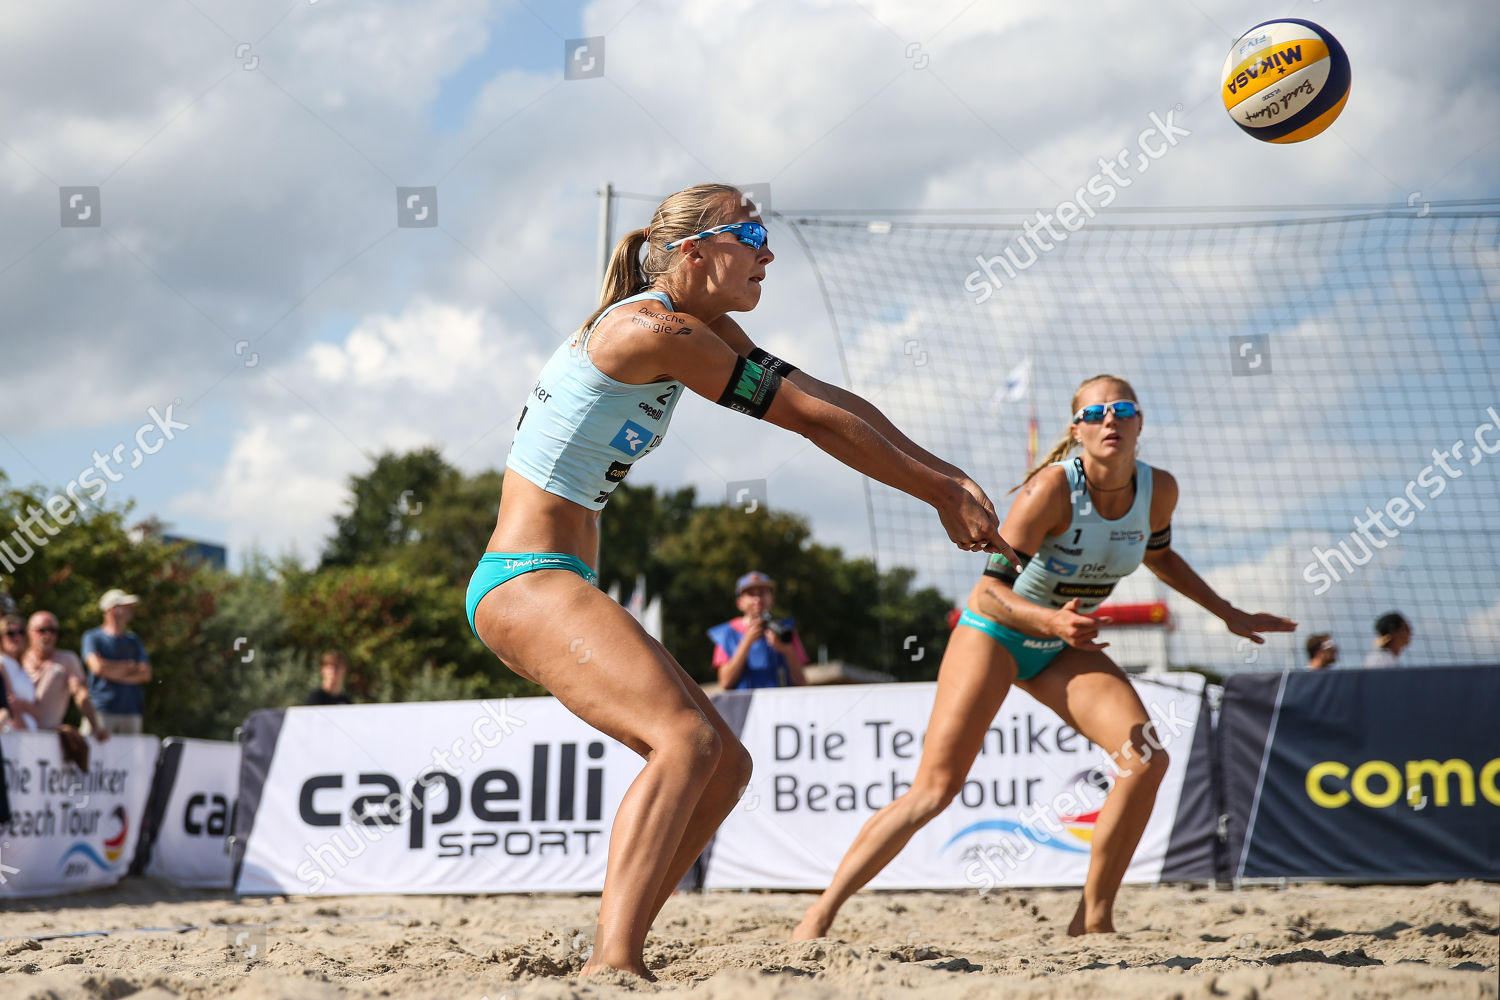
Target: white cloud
434,374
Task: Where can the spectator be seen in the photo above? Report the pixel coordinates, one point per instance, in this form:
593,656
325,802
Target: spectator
1322,652
756,650
334,669
5,727
57,673
118,666
20,693
1392,635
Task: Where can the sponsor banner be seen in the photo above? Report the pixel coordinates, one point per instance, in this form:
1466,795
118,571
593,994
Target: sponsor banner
1195,852
186,837
827,759
511,795
1240,739
69,829
1369,774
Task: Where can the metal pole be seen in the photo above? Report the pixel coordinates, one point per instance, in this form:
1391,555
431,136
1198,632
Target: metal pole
606,199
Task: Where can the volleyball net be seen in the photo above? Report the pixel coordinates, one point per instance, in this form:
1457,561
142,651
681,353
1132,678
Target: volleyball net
1324,384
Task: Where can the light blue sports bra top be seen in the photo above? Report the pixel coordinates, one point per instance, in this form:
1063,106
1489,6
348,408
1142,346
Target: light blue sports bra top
1093,554
581,431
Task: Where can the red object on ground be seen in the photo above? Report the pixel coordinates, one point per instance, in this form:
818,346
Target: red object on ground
1152,613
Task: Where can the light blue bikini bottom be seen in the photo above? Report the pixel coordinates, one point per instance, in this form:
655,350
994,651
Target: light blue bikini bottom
496,568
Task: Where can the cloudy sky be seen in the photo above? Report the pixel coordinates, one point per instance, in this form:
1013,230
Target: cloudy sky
248,269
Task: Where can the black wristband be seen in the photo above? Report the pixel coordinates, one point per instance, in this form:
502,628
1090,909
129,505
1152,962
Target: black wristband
751,388
772,363
999,567
1160,539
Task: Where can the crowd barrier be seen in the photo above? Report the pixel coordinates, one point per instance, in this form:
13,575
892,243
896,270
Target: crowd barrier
518,795
1352,775
826,759
71,830
185,837
1362,775
512,795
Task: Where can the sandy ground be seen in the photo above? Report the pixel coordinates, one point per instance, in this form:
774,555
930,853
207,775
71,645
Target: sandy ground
1304,941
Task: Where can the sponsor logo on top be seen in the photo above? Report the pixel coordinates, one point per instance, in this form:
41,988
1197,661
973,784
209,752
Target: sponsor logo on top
1061,568
1065,823
631,438
76,860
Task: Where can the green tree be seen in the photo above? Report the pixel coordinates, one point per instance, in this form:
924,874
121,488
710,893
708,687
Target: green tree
632,530
91,552
244,657
450,534
386,507
389,592
403,635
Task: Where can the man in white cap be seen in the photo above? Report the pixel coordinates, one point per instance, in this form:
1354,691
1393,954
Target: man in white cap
118,666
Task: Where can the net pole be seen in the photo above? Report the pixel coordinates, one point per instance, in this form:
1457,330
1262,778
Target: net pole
606,203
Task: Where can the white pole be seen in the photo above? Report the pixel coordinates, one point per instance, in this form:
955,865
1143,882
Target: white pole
606,198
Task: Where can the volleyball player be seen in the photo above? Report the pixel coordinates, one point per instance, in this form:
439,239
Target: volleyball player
1080,526
602,402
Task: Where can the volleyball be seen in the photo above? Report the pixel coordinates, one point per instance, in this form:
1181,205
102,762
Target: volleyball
1285,80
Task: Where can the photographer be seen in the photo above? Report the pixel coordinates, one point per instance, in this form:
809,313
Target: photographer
757,650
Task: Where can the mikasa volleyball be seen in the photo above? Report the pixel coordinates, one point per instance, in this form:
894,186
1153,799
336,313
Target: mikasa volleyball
1285,80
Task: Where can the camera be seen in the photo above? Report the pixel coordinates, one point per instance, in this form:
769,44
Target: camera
779,627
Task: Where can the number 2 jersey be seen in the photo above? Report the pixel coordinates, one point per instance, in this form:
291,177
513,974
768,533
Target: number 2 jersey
581,431
1092,555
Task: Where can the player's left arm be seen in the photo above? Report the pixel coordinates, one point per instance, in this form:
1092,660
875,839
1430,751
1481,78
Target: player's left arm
1174,571
735,336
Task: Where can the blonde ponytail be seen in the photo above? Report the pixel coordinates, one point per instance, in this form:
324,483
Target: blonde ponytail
679,216
1059,451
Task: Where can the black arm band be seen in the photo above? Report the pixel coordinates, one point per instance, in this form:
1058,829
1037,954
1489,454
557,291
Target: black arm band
1160,539
772,363
1000,568
751,388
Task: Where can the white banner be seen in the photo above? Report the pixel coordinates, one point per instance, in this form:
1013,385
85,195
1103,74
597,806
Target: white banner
513,795
69,829
191,847
826,759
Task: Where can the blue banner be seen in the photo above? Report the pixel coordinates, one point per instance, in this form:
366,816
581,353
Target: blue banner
1389,774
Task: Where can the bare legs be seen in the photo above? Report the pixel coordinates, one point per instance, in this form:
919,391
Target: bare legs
973,680
630,689
1089,693
717,801
1092,695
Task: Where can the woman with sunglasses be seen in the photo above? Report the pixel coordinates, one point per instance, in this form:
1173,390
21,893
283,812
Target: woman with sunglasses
601,403
21,710
1080,527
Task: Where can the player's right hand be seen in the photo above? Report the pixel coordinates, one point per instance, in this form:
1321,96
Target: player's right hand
972,526
1075,629
974,489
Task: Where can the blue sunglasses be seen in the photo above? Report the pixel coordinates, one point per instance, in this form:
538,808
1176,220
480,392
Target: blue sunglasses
752,234
1123,409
